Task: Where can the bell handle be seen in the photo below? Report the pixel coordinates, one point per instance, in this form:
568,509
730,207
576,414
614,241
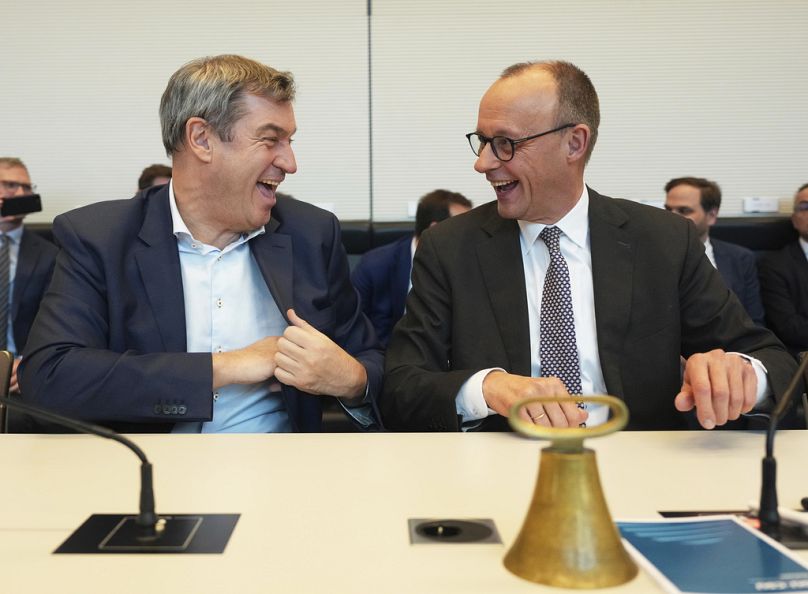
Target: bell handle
569,437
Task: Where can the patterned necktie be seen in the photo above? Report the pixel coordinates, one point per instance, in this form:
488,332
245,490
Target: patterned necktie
558,349
4,296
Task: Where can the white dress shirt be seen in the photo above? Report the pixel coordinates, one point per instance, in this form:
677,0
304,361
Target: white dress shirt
576,249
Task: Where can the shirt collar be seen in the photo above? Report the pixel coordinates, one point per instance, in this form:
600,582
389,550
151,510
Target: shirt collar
181,231
804,246
574,224
15,235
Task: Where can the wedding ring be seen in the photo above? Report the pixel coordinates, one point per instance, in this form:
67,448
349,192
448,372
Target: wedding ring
541,416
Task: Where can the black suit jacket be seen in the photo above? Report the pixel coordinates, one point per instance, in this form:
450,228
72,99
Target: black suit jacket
784,288
656,297
109,342
35,263
382,278
738,267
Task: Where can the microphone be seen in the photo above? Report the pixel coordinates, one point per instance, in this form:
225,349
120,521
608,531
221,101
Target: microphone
108,533
767,512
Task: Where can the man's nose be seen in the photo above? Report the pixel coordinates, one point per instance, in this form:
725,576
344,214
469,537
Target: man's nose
487,160
286,160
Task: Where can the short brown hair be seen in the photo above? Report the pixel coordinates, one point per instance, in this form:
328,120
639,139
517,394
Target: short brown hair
577,98
709,190
152,172
434,207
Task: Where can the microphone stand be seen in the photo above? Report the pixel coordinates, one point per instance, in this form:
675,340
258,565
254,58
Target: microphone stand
147,522
767,513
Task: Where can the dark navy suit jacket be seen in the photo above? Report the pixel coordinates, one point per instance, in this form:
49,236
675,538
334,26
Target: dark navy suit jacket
109,343
382,278
738,268
35,263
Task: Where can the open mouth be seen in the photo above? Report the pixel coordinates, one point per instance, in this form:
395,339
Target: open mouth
503,187
267,187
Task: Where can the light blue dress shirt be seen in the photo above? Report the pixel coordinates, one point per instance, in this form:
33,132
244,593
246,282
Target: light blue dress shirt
227,307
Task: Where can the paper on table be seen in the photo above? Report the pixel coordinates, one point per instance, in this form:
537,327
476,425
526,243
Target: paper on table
718,555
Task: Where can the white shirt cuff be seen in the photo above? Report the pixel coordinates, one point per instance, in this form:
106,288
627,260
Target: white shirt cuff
469,402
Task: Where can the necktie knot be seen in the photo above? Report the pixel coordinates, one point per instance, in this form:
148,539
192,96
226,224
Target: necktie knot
550,236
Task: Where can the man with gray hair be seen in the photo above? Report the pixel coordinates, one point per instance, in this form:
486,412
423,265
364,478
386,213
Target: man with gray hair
209,304
26,260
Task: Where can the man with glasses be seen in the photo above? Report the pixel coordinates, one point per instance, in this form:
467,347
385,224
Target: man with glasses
784,282
26,265
555,290
209,304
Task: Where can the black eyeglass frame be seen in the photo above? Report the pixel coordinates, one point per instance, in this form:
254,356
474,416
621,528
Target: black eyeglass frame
484,140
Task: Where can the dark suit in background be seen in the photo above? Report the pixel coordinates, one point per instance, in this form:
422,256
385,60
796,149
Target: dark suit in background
34,269
738,267
656,297
382,278
109,344
784,287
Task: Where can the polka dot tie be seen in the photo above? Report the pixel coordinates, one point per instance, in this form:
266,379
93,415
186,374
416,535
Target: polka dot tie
557,347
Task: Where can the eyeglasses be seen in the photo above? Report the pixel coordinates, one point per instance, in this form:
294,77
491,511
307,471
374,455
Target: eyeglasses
503,146
12,186
801,207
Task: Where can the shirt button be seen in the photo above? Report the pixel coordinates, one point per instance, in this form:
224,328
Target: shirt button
219,349
215,396
219,303
194,245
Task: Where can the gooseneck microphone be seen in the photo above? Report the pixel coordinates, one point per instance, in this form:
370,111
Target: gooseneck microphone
146,532
767,513
146,520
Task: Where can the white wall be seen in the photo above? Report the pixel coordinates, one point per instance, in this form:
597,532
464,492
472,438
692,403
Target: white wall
716,89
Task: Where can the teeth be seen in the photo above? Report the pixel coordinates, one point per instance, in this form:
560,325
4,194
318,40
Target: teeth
269,182
498,184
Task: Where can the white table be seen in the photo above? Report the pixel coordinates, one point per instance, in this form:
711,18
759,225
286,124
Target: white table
328,513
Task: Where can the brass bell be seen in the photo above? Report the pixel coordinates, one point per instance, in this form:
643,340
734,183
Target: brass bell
568,538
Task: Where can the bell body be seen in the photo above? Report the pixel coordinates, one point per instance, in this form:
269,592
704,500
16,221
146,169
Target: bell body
568,538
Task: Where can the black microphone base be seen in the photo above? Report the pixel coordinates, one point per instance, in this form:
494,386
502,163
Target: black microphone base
790,536
181,534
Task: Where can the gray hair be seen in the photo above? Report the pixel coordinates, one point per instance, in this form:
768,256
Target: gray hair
577,98
9,162
213,88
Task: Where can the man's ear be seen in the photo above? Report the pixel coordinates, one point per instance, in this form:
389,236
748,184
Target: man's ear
579,138
712,217
198,138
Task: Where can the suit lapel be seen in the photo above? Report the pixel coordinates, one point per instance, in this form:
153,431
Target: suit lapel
274,255
27,259
400,281
500,259
159,265
612,279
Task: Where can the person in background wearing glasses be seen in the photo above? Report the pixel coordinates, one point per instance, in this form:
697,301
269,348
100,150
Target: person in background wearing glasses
494,317
784,282
26,265
699,200
209,304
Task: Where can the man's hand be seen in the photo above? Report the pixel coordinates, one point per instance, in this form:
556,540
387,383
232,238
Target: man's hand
14,386
252,364
502,390
310,361
720,385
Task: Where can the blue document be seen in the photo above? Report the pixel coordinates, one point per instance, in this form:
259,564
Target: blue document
714,555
